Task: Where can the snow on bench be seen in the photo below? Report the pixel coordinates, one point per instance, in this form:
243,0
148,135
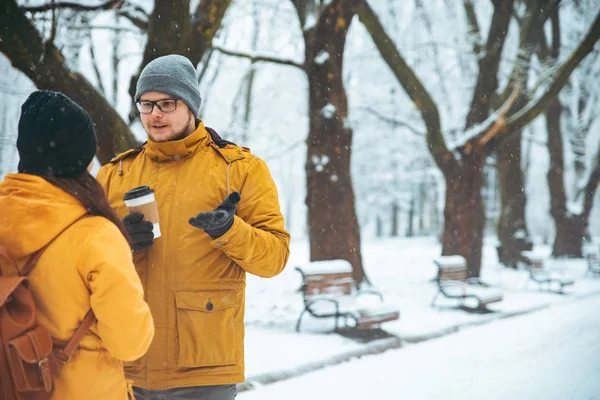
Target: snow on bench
450,261
326,267
454,283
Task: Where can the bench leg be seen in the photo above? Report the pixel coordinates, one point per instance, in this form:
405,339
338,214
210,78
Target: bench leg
300,320
434,299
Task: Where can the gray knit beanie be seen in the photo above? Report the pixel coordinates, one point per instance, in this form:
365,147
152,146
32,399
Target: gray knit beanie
173,75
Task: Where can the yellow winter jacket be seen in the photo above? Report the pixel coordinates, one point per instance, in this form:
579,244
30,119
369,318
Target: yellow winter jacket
88,265
195,285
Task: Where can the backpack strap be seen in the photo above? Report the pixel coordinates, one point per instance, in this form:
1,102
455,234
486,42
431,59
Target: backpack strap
33,260
66,353
5,255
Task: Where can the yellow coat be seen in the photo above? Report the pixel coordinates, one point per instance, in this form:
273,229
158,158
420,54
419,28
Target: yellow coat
88,265
195,285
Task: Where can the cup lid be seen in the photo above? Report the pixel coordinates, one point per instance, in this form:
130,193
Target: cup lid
137,192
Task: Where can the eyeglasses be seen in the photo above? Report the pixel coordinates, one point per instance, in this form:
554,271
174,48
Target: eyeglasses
165,105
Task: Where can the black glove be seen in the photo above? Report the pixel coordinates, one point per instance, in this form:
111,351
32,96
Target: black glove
140,231
217,222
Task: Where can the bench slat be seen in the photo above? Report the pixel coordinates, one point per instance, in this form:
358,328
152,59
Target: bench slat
453,275
367,321
337,283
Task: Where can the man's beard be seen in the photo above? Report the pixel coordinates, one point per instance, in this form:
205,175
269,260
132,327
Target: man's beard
184,132
181,134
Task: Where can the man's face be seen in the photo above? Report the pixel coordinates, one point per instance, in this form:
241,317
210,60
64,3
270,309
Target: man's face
164,126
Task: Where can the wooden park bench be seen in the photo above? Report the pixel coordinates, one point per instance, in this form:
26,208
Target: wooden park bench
545,278
593,264
328,291
453,282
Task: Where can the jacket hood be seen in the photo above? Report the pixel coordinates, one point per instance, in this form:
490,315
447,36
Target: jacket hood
33,212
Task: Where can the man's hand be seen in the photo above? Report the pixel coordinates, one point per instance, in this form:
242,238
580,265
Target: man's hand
218,221
140,232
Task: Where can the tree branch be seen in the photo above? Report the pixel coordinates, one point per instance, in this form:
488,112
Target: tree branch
95,68
487,79
45,66
206,22
533,23
393,121
412,86
536,107
255,58
500,125
108,5
473,27
136,15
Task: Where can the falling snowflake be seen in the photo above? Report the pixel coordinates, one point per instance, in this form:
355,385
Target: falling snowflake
322,57
328,111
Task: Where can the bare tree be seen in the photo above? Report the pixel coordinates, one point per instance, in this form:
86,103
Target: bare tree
171,29
45,65
570,224
333,227
512,231
463,214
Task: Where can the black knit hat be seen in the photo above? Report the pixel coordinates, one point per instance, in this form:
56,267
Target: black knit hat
56,135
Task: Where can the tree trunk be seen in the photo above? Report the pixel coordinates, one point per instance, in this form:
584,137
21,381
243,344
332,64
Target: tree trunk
434,212
512,229
464,216
411,216
45,66
558,198
422,206
489,64
568,241
395,216
334,229
571,228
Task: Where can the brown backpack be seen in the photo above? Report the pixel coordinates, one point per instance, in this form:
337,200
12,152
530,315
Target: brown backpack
28,360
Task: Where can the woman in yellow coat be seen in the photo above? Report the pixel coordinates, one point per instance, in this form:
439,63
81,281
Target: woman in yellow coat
88,264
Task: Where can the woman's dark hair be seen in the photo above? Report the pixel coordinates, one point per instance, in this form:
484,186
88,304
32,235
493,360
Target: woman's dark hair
85,188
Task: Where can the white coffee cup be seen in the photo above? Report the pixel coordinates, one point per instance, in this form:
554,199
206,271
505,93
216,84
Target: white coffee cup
141,199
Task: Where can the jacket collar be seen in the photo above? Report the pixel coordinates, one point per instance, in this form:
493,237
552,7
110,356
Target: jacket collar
177,149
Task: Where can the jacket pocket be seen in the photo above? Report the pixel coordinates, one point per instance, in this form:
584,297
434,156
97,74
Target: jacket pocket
207,329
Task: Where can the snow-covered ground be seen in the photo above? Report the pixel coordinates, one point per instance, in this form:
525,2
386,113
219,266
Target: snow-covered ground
550,354
403,270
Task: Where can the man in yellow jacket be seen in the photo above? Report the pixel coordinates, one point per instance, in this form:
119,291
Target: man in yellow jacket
219,218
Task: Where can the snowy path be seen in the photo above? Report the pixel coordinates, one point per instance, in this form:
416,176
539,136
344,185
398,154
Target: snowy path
550,354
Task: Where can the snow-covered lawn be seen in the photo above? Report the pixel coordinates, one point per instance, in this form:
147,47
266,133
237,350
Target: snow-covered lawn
552,354
403,270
